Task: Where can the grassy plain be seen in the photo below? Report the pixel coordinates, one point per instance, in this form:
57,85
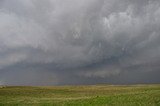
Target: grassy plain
91,95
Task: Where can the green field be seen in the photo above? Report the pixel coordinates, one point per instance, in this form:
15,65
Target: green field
93,95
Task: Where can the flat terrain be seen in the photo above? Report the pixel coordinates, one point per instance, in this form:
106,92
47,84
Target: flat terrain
93,95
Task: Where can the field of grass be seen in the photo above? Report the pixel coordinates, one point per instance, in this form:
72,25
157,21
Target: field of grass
93,95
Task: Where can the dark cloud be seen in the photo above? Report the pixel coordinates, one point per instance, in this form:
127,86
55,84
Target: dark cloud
45,42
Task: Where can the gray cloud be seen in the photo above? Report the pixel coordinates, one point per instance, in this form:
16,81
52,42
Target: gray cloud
46,42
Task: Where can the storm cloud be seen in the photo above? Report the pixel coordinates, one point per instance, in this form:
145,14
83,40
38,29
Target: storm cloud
54,42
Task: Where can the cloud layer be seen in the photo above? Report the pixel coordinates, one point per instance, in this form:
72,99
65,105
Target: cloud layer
44,42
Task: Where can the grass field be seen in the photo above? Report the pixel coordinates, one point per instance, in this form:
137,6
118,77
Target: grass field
93,95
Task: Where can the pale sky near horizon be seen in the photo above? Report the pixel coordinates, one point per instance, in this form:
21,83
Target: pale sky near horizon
59,42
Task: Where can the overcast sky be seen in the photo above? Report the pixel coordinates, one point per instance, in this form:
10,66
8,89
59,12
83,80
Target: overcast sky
59,42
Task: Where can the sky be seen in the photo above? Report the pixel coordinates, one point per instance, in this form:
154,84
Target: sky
73,42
